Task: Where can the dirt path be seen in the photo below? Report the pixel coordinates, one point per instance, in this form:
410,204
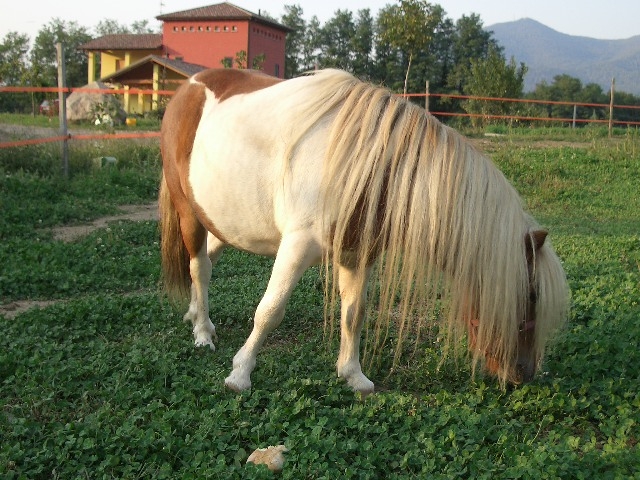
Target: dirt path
136,213
10,132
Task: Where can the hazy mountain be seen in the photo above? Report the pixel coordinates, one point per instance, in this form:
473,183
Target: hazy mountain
548,53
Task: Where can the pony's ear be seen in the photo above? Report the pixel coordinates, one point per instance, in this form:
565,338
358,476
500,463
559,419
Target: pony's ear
534,240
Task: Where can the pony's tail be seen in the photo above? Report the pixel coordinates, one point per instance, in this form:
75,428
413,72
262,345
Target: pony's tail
176,279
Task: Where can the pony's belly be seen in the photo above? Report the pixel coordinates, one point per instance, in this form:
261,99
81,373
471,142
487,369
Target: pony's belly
237,220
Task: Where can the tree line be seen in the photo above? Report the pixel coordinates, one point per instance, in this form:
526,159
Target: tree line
406,45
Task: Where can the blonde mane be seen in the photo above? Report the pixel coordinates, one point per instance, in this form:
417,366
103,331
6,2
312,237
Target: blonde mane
446,226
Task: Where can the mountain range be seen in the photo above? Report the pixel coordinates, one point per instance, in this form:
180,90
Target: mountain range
548,53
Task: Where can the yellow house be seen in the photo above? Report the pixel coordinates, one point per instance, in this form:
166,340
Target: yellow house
119,51
152,72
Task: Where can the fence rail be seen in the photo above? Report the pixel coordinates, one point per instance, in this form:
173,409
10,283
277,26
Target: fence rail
443,114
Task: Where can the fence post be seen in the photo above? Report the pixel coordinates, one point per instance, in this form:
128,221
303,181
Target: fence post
613,86
62,109
426,97
575,114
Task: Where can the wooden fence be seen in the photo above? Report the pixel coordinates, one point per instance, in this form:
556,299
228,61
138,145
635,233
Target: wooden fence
611,120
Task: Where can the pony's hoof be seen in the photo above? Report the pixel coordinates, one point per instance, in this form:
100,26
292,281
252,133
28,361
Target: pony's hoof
365,390
204,343
204,335
362,385
237,382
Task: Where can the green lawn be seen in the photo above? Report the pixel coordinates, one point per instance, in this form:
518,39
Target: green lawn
106,383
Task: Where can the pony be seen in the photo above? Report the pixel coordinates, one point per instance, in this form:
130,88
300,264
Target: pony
325,169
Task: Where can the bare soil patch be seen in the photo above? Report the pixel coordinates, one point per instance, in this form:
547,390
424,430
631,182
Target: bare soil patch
11,132
136,213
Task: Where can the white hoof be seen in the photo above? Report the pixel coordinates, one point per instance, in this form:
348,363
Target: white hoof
204,342
357,380
204,334
361,384
237,381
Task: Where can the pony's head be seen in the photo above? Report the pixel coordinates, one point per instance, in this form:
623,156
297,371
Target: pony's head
536,323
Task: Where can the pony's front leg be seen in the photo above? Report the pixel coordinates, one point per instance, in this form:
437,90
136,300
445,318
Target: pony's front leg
296,253
353,297
200,268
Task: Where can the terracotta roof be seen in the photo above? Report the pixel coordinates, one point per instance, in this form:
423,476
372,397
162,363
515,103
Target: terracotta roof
220,11
184,68
128,41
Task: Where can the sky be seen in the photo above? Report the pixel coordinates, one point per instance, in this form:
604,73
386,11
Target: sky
589,18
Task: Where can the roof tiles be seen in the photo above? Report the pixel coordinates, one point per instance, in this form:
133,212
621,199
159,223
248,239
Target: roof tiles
125,41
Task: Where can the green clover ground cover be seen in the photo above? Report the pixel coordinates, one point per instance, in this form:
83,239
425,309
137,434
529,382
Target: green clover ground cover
106,383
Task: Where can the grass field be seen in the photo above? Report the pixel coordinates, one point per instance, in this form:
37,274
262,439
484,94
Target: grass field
105,382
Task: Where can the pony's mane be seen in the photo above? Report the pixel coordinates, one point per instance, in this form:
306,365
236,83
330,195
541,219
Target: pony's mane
447,226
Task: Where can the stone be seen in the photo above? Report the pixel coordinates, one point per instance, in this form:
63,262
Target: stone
271,456
92,106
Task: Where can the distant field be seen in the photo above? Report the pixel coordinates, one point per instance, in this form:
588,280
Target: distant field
104,382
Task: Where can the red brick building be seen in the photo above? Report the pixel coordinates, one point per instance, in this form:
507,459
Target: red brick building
215,36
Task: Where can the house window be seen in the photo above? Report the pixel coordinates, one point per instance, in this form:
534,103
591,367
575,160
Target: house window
234,29
192,29
199,29
184,29
175,29
208,29
217,29
226,29
277,71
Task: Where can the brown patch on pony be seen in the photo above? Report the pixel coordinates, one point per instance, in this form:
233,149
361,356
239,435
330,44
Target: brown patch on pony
533,242
352,237
180,215
178,131
225,83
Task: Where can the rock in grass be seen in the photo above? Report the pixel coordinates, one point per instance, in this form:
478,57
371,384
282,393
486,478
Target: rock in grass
271,456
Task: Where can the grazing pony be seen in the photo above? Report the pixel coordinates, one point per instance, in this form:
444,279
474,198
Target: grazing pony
326,169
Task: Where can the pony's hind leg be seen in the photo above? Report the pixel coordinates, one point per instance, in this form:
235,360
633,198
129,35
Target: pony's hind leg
296,253
353,298
200,267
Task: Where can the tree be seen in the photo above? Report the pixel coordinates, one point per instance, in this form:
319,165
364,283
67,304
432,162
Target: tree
109,26
337,35
469,42
311,46
433,64
13,58
241,59
362,43
493,77
142,26
409,27
43,54
113,27
564,88
14,68
294,50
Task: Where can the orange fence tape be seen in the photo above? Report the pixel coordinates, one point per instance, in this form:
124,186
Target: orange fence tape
540,119
135,91
110,91
32,141
89,136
